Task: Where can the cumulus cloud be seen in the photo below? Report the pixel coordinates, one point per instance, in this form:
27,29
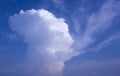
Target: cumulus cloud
48,39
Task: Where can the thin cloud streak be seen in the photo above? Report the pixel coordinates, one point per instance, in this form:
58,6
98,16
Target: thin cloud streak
107,41
97,23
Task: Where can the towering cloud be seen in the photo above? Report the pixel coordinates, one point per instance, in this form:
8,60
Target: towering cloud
48,39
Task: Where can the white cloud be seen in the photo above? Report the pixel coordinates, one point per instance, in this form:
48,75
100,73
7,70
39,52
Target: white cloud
48,39
97,23
103,19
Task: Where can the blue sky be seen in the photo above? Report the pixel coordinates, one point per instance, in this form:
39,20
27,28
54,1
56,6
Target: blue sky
59,38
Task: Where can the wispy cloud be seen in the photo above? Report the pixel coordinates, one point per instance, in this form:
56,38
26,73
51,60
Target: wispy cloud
10,36
97,22
57,1
103,18
107,41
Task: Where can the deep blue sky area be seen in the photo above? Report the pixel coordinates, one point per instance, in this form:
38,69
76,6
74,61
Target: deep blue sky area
98,20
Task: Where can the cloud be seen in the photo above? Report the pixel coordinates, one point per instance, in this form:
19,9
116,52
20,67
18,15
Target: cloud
48,39
102,19
49,42
59,5
10,36
57,1
107,41
97,22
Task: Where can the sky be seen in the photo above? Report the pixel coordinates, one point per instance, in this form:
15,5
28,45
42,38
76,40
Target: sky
60,38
